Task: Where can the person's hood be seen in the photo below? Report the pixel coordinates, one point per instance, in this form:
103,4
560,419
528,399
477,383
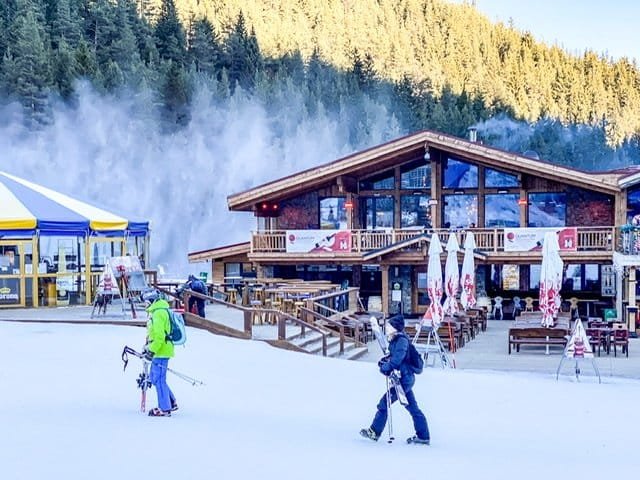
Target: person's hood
158,304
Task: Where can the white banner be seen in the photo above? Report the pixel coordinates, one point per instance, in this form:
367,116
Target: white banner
531,239
330,241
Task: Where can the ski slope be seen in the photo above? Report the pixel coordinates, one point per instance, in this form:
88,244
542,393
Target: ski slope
70,412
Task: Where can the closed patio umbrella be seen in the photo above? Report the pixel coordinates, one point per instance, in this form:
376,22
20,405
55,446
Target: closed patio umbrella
468,277
550,279
434,282
451,275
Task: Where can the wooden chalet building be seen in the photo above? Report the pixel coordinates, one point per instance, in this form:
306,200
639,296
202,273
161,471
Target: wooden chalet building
367,219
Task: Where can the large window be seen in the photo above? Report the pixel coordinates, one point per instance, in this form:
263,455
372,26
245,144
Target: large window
459,174
496,179
333,215
460,211
633,203
416,176
501,210
547,209
415,211
384,181
378,212
534,276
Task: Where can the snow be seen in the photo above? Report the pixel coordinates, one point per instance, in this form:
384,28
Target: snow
70,412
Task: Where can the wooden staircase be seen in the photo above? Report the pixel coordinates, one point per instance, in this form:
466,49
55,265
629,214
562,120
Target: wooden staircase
311,342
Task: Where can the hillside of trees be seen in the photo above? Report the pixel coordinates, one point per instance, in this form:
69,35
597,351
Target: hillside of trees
431,64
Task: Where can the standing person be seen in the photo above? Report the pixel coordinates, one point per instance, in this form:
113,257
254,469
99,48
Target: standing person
198,286
398,360
159,350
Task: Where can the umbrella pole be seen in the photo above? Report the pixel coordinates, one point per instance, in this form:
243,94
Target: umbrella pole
453,345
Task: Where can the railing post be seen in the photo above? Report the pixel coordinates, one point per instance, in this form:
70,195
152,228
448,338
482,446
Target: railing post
495,239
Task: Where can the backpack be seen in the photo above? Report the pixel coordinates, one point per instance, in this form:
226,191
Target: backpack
177,335
414,359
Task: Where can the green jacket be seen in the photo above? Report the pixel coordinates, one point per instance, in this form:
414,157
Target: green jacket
158,327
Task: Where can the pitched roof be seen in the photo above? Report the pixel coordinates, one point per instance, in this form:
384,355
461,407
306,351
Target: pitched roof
386,155
220,252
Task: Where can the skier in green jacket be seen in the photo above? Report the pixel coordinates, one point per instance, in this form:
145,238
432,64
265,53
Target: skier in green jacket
159,350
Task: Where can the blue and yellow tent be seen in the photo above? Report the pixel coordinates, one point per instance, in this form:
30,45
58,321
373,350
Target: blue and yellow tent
27,208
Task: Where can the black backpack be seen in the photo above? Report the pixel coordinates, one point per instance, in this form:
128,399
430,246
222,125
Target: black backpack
414,359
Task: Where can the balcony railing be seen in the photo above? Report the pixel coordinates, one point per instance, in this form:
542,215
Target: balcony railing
589,239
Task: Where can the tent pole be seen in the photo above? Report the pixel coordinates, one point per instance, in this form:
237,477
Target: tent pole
87,270
35,265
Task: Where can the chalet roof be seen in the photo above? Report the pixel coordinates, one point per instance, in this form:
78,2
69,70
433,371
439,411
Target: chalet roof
220,252
386,155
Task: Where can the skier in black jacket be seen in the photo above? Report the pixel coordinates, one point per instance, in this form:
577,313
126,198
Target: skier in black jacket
397,360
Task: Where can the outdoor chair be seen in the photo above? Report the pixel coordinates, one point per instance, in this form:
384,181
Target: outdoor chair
620,338
497,307
517,306
573,307
528,304
596,339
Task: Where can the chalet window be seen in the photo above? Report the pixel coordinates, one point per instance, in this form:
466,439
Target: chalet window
460,211
333,215
423,297
511,277
633,203
378,212
496,179
384,181
501,210
415,211
459,174
534,276
416,176
547,209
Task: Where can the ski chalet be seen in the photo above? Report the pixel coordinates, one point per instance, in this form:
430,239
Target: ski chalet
366,221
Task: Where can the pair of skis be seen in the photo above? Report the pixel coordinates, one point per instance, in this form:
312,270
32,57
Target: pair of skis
143,379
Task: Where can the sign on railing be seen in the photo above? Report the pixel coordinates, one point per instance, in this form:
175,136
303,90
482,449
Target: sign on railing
318,241
530,239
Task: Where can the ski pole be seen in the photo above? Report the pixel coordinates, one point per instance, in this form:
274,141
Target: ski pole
390,418
186,378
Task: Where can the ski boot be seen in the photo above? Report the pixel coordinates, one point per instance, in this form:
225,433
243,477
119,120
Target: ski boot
156,412
418,440
370,434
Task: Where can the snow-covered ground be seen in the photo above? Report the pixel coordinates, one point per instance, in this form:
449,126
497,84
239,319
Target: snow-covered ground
68,411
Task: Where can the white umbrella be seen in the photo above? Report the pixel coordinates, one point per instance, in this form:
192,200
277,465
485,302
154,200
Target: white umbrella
451,275
434,282
468,277
550,278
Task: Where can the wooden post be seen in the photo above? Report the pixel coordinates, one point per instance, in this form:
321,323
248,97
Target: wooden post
385,289
35,264
632,298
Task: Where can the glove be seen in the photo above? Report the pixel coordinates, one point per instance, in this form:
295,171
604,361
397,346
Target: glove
386,369
147,354
383,360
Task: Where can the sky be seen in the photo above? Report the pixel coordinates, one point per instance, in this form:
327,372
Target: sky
70,412
605,27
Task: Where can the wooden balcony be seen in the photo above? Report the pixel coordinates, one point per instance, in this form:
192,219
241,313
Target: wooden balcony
490,241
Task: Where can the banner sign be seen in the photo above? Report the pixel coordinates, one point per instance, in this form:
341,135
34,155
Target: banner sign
530,239
327,241
10,291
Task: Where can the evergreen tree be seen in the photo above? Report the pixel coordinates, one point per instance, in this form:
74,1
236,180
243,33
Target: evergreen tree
169,34
65,70
26,64
243,58
204,48
175,96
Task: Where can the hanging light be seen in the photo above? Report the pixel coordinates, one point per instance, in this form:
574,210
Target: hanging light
427,155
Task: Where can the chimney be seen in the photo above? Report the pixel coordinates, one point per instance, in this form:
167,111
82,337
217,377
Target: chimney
473,134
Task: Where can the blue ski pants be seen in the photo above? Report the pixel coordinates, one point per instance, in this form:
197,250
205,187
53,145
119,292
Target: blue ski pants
419,420
158,377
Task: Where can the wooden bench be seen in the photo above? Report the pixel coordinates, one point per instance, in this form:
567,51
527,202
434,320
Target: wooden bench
537,336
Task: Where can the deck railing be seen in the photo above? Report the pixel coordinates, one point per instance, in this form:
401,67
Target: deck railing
593,239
